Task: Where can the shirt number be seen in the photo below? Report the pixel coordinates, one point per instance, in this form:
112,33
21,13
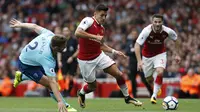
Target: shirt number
32,47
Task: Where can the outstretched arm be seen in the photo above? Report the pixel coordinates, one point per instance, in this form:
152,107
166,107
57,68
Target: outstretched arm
106,48
17,24
54,87
138,56
177,46
173,36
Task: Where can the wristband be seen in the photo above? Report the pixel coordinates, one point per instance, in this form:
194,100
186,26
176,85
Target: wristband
113,51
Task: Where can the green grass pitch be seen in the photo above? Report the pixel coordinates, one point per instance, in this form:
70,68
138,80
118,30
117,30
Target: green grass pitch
37,104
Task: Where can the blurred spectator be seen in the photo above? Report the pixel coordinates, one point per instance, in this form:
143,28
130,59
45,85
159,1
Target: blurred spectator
190,85
34,89
5,84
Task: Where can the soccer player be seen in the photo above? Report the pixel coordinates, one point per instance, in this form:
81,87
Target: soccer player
37,60
91,56
154,54
67,60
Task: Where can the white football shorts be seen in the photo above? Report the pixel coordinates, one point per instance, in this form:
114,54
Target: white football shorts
150,64
88,67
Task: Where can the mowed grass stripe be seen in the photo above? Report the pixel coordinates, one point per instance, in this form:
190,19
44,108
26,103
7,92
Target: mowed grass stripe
40,104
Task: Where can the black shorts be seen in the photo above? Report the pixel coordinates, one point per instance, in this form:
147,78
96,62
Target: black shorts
69,68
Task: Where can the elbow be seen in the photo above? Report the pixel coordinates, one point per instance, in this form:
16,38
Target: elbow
35,26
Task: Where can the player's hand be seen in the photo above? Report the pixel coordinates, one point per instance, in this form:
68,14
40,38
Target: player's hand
14,23
120,54
99,38
140,64
178,59
70,59
61,107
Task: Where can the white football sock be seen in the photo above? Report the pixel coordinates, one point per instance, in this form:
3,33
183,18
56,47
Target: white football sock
156,88
124,90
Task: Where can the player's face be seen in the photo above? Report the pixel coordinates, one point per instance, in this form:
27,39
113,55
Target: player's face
100,16
157,24
66,32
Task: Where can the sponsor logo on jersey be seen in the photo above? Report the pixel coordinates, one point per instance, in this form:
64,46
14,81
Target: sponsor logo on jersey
85,22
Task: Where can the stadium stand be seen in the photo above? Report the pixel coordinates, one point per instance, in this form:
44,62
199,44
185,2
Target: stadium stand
123,17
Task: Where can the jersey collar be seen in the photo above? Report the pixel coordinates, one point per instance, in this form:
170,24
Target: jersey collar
154,30
95,20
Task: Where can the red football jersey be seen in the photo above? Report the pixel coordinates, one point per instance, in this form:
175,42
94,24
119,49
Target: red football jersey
154,42
90,49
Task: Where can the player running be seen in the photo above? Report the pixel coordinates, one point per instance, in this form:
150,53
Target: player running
154,57
91,56
37,60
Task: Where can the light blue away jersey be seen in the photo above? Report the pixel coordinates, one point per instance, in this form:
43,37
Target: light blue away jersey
38,52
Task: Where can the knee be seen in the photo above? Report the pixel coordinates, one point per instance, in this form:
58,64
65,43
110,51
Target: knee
160,71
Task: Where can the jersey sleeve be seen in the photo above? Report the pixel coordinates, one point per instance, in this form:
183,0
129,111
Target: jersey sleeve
48,66
172,34
143,36
86,23
46,32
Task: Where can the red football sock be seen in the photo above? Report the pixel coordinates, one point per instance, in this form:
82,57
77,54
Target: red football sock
159,80
86,89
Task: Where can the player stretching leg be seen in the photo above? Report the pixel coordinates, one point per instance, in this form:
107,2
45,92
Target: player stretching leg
91,55
154,57
37,60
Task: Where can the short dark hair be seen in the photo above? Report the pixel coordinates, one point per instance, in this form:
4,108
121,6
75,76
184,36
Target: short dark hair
157,16
101,7
58,40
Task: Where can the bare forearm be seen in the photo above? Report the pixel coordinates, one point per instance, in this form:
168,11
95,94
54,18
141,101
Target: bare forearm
75,54
137,52
54,88
31,26
177,47
106,48
59,56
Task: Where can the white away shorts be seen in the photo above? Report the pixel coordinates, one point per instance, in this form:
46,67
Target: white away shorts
88,67
150,64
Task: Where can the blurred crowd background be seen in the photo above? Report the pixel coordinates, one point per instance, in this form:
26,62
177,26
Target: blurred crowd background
125,20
